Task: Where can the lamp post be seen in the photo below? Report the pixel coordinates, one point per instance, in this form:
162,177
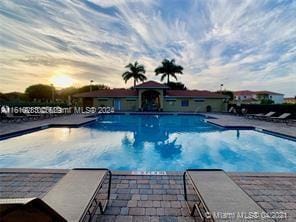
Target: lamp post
221,86
90,85
52,92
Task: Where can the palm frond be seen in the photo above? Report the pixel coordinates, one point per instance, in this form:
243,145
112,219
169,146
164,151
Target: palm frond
125,73
129,65
142,77
159,70
174,75
136,71
168,68
163,77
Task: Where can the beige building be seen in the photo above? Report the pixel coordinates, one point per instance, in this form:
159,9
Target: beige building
290,100
154,96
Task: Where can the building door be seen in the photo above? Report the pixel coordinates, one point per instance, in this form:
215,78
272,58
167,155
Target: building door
117,104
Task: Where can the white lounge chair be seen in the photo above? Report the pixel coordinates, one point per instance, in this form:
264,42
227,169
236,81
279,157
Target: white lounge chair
262,117
281,118
10,117
218,195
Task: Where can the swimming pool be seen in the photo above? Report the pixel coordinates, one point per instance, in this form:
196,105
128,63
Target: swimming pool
150,142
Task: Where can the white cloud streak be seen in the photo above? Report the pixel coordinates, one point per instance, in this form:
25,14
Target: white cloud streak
243,44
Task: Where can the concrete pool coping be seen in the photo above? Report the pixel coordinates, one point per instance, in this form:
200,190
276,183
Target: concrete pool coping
145,173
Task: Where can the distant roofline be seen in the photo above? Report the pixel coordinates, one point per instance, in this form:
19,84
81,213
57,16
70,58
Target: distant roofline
268,92
198,97
118,93
249,92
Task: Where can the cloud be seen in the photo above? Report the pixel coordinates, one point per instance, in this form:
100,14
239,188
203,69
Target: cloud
243,44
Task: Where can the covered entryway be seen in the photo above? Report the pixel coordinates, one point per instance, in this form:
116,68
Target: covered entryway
150,100
87,102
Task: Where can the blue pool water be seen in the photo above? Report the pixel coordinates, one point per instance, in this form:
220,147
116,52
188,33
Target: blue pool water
150,142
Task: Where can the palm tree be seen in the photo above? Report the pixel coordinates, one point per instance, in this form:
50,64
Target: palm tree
136,71
168,68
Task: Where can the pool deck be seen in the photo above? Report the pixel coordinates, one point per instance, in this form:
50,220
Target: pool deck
8,129
155,197
232,121
223,120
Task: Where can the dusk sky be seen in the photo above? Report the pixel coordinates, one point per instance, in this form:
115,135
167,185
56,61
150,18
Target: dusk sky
242,44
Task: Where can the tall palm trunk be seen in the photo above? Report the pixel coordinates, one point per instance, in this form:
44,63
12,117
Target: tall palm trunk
135,81
168,78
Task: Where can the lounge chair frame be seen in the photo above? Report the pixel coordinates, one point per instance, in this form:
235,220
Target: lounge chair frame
201,205
93,201
38,204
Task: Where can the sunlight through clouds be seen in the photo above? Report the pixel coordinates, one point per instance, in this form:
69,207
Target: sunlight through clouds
243,44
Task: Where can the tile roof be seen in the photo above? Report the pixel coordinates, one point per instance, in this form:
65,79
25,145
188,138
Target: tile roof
244,93
268,92
108,93
193,93
249,93
133,93
151,84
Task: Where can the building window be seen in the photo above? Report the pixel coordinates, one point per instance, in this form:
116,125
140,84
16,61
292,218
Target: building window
199,100
185,102
171,101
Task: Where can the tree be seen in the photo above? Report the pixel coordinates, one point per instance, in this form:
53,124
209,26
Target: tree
64,93
226,93
94,87
176,86
3,97
136,71
266,102
15,96
168,68
40,92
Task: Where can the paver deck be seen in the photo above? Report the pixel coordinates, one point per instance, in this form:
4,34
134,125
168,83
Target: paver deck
67,120
225,120
158,198
19,185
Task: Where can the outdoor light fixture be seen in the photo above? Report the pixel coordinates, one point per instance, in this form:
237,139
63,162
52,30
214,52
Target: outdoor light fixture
90,85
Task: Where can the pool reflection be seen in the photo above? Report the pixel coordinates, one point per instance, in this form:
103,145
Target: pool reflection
136,142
